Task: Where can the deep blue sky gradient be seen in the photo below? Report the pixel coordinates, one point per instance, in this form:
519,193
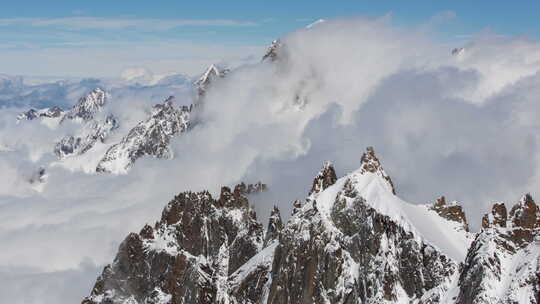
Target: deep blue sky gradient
278,16
268,20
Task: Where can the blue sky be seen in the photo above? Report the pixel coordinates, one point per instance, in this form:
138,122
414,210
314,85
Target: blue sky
101,38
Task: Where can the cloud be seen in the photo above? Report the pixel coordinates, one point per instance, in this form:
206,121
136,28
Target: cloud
464,127
109,23
108,59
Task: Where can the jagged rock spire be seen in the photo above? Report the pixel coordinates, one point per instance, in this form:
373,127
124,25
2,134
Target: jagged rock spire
88,105
187,257
451,212
525,213
521,223
275,224
370,163
149,137
324,179
497,217
272,51
238,196
208,77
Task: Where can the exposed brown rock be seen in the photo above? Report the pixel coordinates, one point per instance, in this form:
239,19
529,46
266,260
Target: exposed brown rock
451,212
497,218
181,256
525,213
147,232
370,163
324,179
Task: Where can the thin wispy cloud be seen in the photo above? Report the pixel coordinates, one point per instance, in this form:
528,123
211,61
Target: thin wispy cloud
103,23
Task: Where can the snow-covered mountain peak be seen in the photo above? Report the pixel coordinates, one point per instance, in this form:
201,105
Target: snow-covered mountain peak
149,137
88,105
371,164
352,241
52,112
212,73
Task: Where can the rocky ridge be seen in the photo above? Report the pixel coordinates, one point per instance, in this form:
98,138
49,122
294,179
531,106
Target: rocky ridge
211,75
150,137
351,241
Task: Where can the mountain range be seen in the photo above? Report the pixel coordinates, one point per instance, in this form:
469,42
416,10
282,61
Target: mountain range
352,240
149,137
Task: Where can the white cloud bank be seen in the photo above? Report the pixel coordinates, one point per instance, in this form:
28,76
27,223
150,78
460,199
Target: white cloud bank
464,126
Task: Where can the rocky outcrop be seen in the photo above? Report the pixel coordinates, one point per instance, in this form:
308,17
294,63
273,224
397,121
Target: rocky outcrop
52,112
210,76
87,106
525,214
451,212
91,129
148,138
324,179
275,225
272,51
187,256
497,217
503,262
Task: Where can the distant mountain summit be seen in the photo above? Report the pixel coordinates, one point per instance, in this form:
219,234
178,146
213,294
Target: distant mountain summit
211,75
150,137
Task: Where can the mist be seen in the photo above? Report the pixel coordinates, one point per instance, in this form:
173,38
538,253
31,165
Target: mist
464,126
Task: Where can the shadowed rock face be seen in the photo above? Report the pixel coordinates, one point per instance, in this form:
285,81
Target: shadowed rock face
324,179
275,225
339,246
183,257
525,214
497,218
